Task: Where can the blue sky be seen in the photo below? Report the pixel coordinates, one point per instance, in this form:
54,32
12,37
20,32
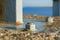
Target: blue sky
37,3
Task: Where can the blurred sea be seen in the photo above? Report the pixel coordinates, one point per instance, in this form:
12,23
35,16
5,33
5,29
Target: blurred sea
40,25
43,11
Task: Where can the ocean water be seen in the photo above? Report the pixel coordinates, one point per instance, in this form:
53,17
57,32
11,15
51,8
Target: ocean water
40,25
43,11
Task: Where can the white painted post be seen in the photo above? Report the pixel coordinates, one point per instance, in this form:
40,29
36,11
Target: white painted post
19,13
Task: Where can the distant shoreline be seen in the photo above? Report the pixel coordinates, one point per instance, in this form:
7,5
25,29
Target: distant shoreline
35,17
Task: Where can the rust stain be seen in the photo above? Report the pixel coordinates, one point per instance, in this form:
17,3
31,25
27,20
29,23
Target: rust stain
18,23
